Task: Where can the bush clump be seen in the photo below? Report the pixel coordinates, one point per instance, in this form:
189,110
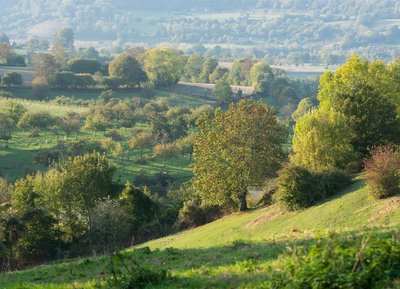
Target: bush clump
125,272
370,263
192,214
382,172
299,188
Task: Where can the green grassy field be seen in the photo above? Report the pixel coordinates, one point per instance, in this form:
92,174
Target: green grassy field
237,251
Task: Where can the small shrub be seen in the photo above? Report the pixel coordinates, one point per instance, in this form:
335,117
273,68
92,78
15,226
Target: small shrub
298,188
382,172
193,215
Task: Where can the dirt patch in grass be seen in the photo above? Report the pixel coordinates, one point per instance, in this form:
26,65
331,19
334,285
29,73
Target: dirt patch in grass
264,218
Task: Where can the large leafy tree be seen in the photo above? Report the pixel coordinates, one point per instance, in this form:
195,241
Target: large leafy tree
128,69
322,141
360,90
164,66
236,150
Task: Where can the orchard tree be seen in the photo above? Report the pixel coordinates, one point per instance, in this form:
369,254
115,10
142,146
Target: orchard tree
14,110
141,142
71,123
236,150
165,151
128,69
96,122
164,66
6,125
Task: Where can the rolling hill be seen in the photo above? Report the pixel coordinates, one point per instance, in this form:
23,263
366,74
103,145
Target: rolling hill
236,251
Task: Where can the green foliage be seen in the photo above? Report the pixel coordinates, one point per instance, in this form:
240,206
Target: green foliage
140,208
65,38
40,88
12,79
305,105
40,120
193,68
370,263
382,172
80,65
69,190
222,91
322,141
209,66
363,93
240,72
14,110
109,226
164,66
128,69
45,65
126,272
192,214
69,80
298,188
261,75
234,151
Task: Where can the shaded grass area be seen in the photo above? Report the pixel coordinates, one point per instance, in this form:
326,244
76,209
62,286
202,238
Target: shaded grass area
238,251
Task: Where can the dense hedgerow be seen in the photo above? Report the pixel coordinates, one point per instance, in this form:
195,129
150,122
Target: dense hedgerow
382,172
299,188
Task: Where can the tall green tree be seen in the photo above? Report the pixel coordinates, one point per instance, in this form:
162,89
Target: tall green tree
222,91
261,75
322,141
236,150
359,90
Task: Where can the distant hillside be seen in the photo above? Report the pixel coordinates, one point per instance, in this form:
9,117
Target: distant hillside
295,28
234,250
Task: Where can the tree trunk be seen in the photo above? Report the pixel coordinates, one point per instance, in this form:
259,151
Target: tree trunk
243,201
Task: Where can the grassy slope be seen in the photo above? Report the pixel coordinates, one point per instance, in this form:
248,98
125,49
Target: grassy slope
212,257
